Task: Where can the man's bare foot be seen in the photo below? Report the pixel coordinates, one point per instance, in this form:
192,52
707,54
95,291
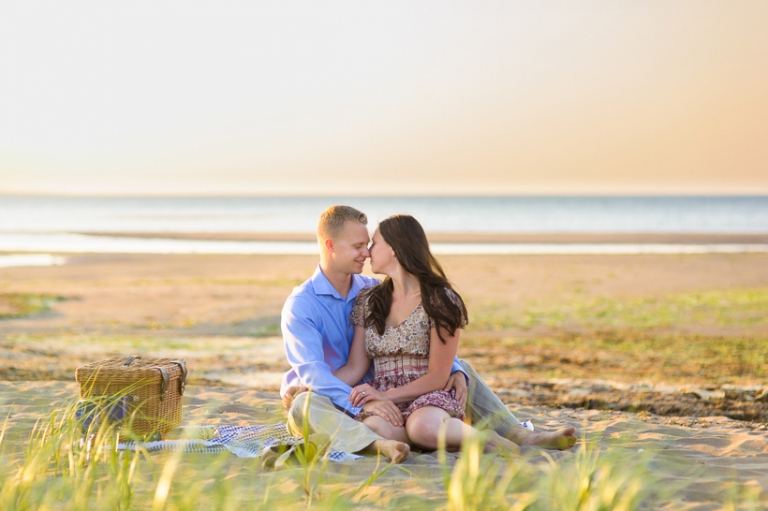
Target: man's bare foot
392,449
558,440
498,444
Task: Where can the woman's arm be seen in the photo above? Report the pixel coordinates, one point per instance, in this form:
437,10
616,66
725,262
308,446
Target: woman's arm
440,361
358,362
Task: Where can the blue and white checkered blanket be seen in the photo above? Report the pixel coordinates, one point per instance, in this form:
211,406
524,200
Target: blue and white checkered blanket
242,441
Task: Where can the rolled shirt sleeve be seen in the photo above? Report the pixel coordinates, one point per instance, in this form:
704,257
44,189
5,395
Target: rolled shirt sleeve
308,357
457,367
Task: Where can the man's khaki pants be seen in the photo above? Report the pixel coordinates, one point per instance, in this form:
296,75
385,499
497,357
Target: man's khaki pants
484,408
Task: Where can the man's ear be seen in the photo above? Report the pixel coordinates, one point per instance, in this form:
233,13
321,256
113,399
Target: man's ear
329,244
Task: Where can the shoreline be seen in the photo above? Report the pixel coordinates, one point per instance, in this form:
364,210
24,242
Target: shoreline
52,243
467,237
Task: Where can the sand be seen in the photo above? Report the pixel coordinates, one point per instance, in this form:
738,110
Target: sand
705,458
236,294
220,313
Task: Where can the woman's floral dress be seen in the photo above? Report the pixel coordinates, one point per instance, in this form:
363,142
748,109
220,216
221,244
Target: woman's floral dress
401,356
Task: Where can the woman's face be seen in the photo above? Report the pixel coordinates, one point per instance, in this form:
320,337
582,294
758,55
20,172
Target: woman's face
382,255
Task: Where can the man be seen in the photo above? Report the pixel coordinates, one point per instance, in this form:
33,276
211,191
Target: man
318,335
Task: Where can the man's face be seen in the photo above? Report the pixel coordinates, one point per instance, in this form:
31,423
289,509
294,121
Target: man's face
350,248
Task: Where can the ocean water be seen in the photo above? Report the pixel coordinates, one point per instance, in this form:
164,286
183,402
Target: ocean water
36,214
61,225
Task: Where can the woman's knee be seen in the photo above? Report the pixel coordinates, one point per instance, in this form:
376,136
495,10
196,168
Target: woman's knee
377,424
382,428
424,430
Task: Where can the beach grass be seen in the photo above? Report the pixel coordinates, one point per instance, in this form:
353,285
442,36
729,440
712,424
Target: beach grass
22,305
723,334
615,465
624,355
57,470
728,307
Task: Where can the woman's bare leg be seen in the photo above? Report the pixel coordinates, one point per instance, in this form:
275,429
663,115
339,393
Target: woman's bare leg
395,443
424,425
385,429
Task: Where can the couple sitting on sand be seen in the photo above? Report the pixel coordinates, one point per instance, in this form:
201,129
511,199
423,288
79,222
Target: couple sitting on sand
338,321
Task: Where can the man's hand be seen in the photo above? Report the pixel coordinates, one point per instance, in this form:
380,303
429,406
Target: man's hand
364,393
458,382
387,410
290,393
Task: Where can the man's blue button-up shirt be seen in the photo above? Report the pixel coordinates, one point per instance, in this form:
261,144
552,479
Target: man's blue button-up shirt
318,335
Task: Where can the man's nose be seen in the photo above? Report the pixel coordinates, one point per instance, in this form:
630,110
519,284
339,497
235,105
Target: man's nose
367,252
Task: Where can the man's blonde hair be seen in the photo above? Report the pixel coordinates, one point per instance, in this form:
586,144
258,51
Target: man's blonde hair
332,220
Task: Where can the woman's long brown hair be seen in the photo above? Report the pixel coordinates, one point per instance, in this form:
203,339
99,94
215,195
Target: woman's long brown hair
406,237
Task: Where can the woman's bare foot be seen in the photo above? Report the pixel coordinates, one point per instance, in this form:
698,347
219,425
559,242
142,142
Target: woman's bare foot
392,449
560,440
498,444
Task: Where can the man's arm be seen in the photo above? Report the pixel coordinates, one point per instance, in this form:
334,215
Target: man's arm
358,362
457,368
458,381
304,350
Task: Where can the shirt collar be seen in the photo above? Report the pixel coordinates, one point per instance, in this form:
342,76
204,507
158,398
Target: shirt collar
322,286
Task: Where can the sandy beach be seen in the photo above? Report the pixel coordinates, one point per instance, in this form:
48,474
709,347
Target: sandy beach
707,461
659,354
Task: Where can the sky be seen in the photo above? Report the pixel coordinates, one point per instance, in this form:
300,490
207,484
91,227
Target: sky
528,97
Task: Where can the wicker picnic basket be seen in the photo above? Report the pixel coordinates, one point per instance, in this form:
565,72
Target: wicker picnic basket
149,390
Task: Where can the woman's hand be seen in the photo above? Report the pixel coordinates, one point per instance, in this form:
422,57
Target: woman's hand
364,393
387,410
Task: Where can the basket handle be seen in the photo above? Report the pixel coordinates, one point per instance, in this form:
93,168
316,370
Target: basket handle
183,379
167,379
164,383
129,360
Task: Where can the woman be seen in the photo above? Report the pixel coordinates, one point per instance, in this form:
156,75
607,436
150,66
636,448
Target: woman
409,326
